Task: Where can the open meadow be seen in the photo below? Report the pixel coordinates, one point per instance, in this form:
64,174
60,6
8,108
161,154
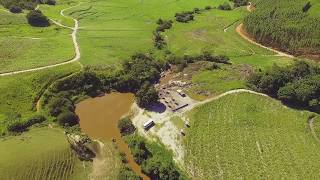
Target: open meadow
111,31
24,47
250,136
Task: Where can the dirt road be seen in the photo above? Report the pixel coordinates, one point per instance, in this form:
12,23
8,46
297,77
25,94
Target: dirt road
74,40
240,30
313,132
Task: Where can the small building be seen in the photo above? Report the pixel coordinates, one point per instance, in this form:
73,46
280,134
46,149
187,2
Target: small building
149,124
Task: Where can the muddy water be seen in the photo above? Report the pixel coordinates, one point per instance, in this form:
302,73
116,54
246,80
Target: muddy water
99,119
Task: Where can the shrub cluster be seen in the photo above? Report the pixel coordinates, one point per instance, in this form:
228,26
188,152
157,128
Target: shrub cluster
17,124
297,85
238,3
15,9
185,16
155,161
24,4
37,19
183,61
225,6
159,41
125,126
127,173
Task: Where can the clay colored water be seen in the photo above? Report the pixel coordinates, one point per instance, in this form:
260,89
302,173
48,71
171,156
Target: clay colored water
99,119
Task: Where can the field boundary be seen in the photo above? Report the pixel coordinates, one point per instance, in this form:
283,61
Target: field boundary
75,44
313,132
240,30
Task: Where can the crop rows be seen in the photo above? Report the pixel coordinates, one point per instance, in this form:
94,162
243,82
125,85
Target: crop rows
245,136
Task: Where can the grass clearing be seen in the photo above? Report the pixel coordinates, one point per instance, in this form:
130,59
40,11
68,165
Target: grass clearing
24,47
249,136
111,31
18,93
41,153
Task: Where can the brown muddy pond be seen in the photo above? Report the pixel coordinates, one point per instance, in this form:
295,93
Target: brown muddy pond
99,120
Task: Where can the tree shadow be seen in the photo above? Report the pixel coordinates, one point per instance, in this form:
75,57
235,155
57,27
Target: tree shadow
157,107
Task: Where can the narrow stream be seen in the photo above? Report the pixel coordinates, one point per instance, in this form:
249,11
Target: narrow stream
99,119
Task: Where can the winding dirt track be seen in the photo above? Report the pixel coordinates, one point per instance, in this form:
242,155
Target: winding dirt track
313,132
240,30
74,40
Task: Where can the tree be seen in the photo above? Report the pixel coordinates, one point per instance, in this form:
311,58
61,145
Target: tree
147,95
126,127
225,6
15,9
67,118
37,19
306,7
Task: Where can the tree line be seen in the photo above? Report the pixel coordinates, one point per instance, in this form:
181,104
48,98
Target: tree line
286,25
297,85
156,162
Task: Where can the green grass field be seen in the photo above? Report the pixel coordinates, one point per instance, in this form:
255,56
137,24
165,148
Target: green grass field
44,153
19,93
113,30
24,47
248,136
41,153
207,33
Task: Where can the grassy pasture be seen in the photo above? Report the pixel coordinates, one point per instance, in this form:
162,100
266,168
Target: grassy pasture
24,47
19,92
41,153
113,30
248,136
207,33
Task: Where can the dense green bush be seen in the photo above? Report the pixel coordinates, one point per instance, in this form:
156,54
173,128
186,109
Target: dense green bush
147,95
156,162
238,3
23,4
184,16
58,105
67,118
183,62
163,25
285,25
37,19
127,174
225,6
17,124
15,9
159,41
298,84
125,126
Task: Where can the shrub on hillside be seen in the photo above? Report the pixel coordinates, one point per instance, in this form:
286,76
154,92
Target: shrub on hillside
159,41
51,2
67,118
298,84
125,126
208,7
127,174
184,17
306,7
37,19
238,3
59,104
16,124
147,95
225,6
163,25
15,9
